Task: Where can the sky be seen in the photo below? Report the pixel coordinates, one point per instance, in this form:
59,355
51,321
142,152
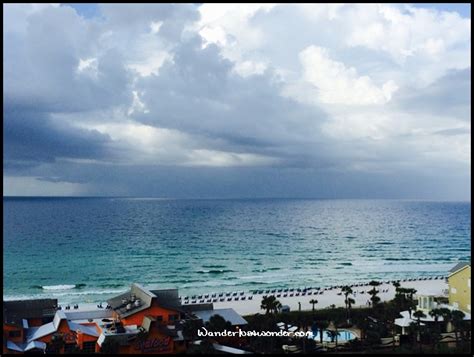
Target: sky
237,100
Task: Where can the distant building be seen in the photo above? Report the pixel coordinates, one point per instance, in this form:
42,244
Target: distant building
459,281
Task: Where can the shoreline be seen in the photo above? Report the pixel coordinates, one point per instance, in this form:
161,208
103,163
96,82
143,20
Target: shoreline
330,296
247,302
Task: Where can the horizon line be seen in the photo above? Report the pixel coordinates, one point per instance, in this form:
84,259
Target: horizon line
245,198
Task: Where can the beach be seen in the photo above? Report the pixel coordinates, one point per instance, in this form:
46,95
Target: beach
329,297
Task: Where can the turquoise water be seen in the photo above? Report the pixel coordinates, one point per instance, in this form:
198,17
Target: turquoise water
88,249
343,335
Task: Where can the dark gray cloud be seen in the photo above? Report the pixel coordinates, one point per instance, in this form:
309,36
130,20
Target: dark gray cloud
32,138
448,96
80,110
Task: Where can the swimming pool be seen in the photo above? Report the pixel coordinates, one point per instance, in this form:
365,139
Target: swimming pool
343,335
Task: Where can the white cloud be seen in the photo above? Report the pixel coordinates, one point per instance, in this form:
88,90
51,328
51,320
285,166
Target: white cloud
146,66
310,86
334,83
137,105
204,157
88,67
155,26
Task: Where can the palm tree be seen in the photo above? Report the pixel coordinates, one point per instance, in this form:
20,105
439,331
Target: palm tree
190,328
404,298
349,301
276,306
373,293
333,336
457,319
333,333
218,323
269,304
313,302
346,290
411,292
447,317
418,314
322,326
435,332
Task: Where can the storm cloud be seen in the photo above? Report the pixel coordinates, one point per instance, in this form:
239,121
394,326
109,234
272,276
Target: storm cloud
275,100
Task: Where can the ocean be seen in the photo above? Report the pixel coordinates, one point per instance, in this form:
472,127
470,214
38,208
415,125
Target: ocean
90,249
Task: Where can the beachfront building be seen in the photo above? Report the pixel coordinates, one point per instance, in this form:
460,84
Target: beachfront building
457,297
18,316
139,321
152,315
459,281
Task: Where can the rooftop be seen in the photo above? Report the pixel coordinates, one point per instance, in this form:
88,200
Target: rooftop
228,314
136,299
139,298
459,266
16,310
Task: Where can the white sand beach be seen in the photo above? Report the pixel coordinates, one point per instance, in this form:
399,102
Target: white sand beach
325,299
329,297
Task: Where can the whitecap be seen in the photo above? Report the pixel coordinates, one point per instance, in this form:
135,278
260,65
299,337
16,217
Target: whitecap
58,287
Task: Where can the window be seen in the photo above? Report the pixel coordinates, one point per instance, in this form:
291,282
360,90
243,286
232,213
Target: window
16,333
453,290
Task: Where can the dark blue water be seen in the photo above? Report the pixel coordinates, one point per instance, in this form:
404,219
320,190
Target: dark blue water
88,249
